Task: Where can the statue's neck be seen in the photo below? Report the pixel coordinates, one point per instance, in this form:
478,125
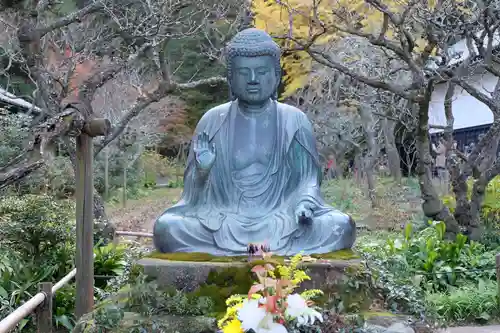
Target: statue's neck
254,108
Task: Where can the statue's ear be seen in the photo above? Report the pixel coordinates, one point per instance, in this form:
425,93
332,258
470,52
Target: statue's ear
231,95
277,85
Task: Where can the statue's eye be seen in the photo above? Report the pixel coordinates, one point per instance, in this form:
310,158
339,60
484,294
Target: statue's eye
243,71
262,71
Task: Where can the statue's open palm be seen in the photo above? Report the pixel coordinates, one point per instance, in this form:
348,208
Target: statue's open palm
204,152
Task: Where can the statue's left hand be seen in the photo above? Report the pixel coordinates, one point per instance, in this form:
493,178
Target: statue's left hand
304,213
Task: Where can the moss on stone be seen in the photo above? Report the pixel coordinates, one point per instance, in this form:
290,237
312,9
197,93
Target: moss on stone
371,314
195,257
337,255
205,257
223,283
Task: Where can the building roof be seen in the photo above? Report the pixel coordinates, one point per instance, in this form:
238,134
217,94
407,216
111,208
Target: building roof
457,54
467,110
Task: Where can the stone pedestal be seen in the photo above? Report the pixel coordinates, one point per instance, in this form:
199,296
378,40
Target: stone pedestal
183,275
187,276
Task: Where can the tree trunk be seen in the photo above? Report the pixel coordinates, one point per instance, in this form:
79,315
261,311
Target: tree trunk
431,205
358,168
124,193
393,157
370,158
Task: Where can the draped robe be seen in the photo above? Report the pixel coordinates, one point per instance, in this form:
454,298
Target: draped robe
211,216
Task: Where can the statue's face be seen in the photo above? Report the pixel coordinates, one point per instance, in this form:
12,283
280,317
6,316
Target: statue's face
253,79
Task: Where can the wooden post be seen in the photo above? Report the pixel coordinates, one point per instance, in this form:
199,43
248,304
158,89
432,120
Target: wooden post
84,226
497,261
44,311
106,173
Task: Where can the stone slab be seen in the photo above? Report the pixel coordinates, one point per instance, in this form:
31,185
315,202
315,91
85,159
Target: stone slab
472,329
184,275
188,275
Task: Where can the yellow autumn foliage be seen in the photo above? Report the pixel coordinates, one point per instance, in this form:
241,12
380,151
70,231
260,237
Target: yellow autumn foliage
299,20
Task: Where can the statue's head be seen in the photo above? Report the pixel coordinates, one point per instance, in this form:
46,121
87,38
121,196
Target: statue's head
253,64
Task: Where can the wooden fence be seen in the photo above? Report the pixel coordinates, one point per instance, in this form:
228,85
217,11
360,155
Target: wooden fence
41,303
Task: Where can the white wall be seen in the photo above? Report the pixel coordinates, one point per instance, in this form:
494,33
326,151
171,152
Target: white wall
467,111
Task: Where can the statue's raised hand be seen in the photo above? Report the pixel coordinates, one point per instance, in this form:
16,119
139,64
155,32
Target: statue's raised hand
204,152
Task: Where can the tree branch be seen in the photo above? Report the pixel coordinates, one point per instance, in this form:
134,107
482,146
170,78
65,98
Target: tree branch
71,18
480,96
68,122
161,92
326,60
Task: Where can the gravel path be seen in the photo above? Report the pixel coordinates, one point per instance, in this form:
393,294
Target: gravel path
140,215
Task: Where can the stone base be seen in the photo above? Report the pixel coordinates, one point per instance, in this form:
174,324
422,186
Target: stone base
187,276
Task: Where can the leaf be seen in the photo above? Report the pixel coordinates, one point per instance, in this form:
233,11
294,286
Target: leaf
22,323
255,289
259,269
408,230
271,304
3,293
65,322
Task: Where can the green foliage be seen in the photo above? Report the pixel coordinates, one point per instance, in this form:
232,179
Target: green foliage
37,235
220,285
470,302
421,272
40,229
145,300
109,261
12,135
490,209
64,307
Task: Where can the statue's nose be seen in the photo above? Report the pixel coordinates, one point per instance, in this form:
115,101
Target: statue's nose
253,78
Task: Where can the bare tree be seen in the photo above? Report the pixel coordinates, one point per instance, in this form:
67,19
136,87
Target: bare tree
398,36
68,57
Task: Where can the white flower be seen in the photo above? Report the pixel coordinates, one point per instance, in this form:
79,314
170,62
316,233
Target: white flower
297,308
256,318
251,315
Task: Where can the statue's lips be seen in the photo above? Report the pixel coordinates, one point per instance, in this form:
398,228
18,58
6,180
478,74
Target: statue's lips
253,90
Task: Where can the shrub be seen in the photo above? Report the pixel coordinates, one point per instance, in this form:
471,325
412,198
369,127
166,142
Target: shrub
408,267
470,302
40,229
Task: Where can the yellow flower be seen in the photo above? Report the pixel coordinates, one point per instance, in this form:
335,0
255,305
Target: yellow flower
234,299
234,326
299,277
231,313
312,293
